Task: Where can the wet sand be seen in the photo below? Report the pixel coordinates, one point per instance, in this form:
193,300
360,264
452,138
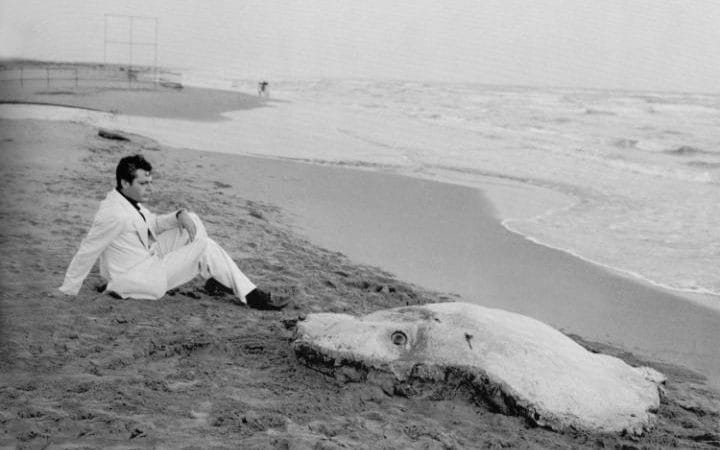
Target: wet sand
197,370
446,238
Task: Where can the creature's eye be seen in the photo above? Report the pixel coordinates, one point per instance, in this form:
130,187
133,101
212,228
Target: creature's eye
398,338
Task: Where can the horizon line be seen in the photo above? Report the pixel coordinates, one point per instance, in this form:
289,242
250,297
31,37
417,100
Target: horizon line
168,69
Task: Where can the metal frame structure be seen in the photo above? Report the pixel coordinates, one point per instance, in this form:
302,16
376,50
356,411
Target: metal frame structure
131,42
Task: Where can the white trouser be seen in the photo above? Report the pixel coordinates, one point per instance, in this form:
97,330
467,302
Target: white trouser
183,260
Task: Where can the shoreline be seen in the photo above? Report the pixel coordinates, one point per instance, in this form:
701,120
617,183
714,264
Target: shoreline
508,209
537,205
705,298
196,369
353,230
533,201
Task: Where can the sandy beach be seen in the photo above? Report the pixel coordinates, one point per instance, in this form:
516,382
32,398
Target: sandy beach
196,370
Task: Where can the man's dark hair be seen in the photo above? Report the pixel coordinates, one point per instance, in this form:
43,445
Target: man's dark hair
128,166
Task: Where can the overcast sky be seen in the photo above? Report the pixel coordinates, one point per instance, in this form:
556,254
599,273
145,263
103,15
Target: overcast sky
641,44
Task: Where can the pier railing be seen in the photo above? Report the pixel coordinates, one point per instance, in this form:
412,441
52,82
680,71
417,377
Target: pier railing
51,77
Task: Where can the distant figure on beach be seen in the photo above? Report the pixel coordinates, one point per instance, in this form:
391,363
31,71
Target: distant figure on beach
143,255
263,90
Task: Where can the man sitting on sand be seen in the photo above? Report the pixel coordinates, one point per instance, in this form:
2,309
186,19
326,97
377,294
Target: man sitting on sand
143,255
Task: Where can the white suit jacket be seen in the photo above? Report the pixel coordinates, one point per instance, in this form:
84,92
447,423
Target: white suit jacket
121,239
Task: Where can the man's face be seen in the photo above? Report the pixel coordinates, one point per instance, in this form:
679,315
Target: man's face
140,188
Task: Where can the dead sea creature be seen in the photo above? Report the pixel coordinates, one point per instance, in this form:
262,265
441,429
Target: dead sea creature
511,363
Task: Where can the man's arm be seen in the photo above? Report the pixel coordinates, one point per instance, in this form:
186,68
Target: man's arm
180,219
185,222
105,228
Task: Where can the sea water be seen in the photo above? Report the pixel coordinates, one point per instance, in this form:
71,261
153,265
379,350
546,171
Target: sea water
641,170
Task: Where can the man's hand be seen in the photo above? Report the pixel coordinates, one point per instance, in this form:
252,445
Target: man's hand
185,222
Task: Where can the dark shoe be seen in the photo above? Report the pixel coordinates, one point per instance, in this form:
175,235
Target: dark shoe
215,288
262,300
102,288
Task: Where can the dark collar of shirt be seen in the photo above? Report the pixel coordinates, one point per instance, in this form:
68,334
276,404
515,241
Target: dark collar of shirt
132,202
